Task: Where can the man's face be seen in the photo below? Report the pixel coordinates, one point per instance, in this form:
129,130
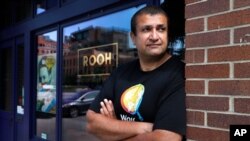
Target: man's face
151,37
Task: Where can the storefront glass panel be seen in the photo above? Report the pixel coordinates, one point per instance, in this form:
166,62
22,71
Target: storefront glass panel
44,5
6,75
20,77
91,51
46,86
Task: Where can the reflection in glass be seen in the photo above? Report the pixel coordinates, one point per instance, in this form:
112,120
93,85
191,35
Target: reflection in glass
46,85
91,51
6,75
20,77
43,5
177,47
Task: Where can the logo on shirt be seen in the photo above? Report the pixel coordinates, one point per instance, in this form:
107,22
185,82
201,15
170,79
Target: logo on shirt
131,99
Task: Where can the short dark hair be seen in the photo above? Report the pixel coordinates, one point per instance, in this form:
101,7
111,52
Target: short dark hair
151,10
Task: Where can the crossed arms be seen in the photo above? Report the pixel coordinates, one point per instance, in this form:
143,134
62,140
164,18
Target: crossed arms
107,127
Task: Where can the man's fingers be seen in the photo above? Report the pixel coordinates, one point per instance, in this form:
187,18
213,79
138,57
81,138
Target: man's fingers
112,108
102,112
107,108
104,109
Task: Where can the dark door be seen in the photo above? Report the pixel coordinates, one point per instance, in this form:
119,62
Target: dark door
6,94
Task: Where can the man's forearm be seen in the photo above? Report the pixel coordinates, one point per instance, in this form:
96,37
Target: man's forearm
112,129
157,135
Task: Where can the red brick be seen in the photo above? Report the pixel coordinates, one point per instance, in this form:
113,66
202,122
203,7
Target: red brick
207,103
242,70
242,105
225,120
206,8
208,39
195,87
204,134
194,56
234,53
242,35
231,19
241,3
191,1
194,25
196,118
207,71
229,87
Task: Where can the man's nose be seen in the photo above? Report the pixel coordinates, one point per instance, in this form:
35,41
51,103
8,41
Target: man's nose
154,35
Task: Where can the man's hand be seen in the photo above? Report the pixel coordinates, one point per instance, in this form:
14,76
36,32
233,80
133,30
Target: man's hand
107,127
107,109
110,129
156,135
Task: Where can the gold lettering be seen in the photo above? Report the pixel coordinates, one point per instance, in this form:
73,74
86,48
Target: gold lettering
100,59
108,59
85,61
92,60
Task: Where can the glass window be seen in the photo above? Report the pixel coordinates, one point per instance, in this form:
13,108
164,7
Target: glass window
6,75
46,86
20,77
96,48
177,47
44,5
175,11
90,95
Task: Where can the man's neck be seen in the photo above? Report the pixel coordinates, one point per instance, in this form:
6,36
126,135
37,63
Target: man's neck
149,64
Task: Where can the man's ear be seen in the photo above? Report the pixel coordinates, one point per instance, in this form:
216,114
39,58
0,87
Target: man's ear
132,36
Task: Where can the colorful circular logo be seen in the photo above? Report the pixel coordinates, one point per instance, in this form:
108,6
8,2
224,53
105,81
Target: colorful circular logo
131,98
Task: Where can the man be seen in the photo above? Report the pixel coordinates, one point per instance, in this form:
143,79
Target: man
144,99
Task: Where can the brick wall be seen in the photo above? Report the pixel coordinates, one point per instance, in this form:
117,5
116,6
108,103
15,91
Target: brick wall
217,67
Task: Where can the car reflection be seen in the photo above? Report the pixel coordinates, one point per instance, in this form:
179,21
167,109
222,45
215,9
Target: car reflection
78,103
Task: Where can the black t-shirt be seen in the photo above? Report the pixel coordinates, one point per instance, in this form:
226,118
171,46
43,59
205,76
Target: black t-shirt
156,96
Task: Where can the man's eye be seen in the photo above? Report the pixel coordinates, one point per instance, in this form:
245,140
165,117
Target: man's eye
162,29
147,29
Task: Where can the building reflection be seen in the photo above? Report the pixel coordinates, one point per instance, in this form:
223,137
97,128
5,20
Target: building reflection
46,45
77,50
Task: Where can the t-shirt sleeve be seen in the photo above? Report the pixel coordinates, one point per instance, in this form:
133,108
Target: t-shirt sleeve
171,114
107,92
